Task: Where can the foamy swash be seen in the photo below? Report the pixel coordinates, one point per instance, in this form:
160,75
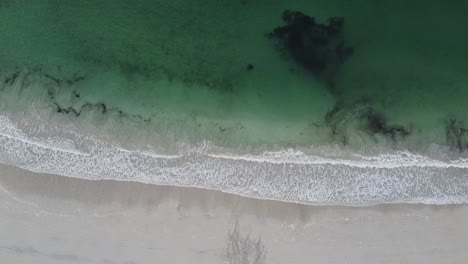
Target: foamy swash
288,175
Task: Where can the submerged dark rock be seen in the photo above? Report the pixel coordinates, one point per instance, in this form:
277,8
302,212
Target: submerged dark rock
319,48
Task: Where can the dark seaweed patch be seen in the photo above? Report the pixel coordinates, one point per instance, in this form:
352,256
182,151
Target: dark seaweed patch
330,118
9,80
101,107
66,110
319,48
374,123
76,94
59,82
51,94
130,69
77,112
377,124
55,80
455,135
74,80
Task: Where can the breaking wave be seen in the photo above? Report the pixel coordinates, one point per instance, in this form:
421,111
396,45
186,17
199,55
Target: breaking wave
320,176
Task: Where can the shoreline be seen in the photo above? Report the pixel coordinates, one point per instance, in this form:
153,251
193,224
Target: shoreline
212,192
183,222
321,176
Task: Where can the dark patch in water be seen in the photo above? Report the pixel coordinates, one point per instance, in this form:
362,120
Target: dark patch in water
374,123
76,111
131,70
70,81
24,78
74,80
319,48
377,124
455,135
55,80
102,107
330,118
67,110
9,80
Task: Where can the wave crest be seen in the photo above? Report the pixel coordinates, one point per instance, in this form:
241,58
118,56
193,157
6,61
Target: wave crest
289,175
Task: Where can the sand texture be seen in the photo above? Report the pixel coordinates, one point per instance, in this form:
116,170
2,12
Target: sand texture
53,219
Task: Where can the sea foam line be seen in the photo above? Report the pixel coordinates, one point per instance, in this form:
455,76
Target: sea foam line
287,175
289,156
38,143
398,160
147,153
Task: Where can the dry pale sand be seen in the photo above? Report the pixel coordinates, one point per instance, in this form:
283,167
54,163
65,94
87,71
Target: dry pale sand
54,219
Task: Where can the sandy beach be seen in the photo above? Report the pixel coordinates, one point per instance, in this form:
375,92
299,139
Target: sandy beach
53,219
238,132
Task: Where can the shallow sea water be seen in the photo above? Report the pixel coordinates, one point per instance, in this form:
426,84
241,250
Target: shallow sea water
161,92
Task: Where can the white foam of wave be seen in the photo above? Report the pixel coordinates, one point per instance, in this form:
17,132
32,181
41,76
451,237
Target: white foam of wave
8,130
288,175
396,160
147,153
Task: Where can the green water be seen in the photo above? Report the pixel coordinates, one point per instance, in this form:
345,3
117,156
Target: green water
181,66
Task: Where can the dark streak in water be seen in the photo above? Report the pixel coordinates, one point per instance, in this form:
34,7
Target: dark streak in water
102,107
59,82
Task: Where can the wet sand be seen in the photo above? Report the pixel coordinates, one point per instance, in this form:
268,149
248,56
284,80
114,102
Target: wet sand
53,219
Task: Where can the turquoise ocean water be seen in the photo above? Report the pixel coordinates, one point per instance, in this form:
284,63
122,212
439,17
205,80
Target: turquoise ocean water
201,94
